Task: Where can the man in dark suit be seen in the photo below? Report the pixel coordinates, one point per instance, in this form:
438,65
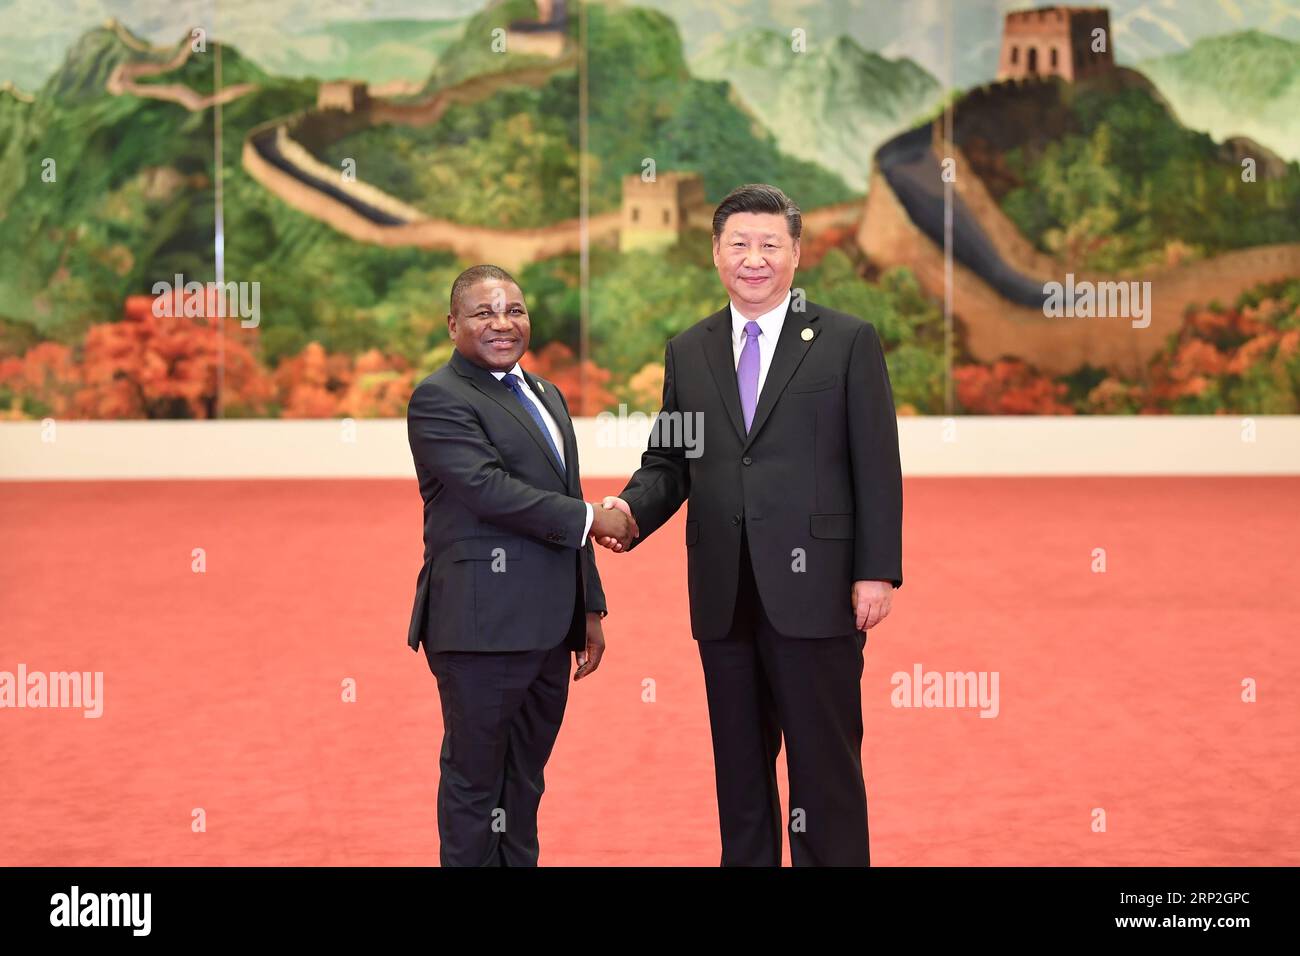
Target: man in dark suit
509,583
793,534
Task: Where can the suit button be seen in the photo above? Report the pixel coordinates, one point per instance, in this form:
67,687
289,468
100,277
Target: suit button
735,519
746,460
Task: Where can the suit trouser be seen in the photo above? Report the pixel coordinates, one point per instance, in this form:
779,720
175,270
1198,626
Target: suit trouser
501,712
762,685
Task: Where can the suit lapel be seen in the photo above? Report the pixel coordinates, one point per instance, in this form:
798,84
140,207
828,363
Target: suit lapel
791,347
488,384
722,363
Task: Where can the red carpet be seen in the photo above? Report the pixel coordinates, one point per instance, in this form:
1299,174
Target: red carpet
1119,691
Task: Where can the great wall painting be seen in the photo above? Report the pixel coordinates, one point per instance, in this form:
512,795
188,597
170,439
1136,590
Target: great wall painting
1072,152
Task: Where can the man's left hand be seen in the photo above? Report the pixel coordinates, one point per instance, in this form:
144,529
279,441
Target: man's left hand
871,602
589,659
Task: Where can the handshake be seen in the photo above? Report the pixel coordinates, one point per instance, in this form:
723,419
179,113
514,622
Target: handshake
612,525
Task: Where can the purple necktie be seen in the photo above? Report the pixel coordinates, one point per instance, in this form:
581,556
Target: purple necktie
747,373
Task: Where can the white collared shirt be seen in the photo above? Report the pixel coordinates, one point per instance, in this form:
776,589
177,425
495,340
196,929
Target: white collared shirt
770,323
551,426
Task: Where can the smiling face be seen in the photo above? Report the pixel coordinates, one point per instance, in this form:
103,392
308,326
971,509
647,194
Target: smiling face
492,328
756,258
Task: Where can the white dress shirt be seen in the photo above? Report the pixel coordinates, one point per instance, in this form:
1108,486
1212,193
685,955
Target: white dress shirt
551,426
770,323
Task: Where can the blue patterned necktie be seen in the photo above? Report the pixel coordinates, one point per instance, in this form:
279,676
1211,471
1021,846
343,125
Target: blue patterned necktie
512,382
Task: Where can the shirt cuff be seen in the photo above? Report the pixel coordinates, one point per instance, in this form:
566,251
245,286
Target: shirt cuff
586,529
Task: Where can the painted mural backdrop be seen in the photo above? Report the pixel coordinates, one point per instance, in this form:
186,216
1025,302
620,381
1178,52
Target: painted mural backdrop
256,208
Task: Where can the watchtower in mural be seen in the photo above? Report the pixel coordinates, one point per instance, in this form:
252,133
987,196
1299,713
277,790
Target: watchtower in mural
654,213
545,36
1056,41
346,95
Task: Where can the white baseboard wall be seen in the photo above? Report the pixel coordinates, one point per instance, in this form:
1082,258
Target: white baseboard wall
377,448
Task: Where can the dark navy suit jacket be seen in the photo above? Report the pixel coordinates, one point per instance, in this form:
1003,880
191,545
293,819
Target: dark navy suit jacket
505,565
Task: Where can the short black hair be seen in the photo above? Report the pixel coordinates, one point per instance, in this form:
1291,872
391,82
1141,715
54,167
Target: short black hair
758,197
471,277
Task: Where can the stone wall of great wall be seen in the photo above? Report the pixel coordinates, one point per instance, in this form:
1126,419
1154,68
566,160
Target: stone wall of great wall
996,328
305,133
124,76
844,214
476,88
124,35
510,248
297,155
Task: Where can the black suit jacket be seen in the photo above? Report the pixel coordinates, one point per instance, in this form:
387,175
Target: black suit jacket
505,565
817,481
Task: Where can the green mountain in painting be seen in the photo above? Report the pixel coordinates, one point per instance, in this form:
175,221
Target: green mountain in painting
832,104
1239,84
102,195
377,51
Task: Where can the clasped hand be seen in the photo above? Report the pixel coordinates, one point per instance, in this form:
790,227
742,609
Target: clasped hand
612,524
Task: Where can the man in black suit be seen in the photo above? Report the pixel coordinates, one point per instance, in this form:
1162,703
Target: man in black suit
793,534
509,583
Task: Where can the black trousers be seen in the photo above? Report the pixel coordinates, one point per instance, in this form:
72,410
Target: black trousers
501,713
762,686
